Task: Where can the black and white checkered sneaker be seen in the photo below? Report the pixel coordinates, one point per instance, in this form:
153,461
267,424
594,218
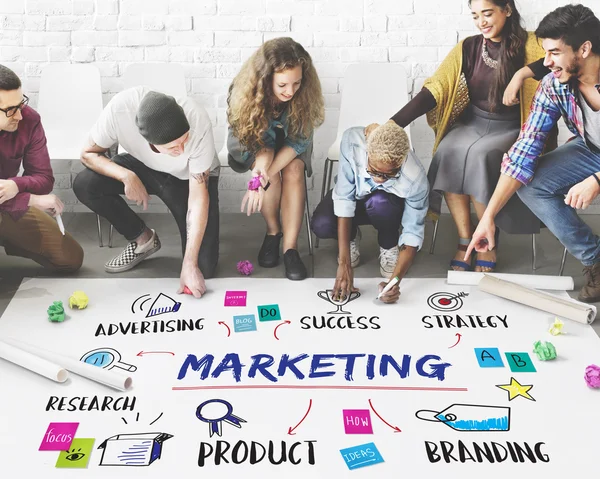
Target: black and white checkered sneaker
132,255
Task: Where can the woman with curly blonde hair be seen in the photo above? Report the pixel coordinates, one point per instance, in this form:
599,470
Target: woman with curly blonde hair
274,105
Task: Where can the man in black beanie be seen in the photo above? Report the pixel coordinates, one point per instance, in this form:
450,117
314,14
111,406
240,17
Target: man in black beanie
170,153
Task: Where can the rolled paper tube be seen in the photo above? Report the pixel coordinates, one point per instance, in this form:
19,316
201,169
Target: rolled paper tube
553,283
32,362
113,379
566,308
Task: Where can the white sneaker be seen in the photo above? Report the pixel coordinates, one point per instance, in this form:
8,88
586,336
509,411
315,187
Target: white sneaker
387,261
354,249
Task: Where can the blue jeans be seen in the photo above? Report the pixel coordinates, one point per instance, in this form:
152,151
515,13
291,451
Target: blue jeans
556,173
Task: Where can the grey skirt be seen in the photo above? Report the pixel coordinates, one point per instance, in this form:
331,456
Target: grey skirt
240,163
468,160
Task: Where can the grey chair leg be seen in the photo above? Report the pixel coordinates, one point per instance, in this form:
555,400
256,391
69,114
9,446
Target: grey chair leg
562,263
434,236
99,231
307,215
110,236
326,173
534,251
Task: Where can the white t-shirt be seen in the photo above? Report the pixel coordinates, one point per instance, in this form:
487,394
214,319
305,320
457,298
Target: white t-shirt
116,125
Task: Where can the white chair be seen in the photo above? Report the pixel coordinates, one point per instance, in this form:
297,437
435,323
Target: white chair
225,164
167,78
70,102
364,101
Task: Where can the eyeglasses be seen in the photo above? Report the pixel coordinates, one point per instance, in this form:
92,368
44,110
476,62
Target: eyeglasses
11,111
383,176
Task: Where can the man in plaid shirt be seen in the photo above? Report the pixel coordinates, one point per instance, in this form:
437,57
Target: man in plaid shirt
554,185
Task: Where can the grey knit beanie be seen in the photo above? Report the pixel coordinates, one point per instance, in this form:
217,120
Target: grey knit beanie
160,119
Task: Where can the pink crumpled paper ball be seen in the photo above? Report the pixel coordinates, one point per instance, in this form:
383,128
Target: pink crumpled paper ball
592,376
245,267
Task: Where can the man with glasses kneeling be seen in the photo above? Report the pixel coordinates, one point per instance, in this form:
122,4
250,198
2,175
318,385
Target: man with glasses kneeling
27,228
380,182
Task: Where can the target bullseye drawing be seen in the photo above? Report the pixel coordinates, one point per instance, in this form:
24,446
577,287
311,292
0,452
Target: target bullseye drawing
446,302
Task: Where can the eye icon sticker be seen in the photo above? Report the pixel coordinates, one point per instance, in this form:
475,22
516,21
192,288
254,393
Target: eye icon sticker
78,455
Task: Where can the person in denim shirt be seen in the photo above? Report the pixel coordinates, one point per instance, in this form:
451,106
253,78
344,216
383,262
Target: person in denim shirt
274,105
556,184
380,182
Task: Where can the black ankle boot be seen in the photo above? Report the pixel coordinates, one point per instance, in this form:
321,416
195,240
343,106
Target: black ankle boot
268,256
294,267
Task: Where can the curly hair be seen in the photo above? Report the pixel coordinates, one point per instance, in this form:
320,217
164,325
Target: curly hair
251,101
388,144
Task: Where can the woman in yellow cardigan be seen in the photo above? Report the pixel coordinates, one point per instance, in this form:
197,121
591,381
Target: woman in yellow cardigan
463,101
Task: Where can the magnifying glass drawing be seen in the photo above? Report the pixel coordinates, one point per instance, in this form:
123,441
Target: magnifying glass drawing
106,358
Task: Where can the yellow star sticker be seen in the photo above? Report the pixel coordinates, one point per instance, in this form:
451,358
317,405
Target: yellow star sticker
515,389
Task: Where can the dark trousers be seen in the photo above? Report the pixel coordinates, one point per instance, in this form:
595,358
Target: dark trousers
102,195
380,209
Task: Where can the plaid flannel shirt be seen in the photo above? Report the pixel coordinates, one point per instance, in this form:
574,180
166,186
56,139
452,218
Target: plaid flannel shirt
551,101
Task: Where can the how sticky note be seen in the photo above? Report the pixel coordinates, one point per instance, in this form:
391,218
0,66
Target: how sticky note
361,456
78,455
357,421
235,298
244,323
520,363
489,358
58,436
270,312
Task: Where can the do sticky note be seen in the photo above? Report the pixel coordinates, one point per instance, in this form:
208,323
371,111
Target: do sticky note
78,455
244,323
489,358
361,456
235,298
357,421
270,312
58,436
520,363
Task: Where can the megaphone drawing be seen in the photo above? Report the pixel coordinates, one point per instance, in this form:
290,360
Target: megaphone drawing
163,304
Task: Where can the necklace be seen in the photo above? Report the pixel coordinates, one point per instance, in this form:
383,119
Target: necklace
486,57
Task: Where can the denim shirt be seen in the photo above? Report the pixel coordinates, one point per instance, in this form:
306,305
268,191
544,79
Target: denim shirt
353,183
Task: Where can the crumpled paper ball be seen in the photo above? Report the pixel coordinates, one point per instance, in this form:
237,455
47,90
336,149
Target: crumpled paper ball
78,300
556,328
545,351
592,376
254,184
245,267
56,312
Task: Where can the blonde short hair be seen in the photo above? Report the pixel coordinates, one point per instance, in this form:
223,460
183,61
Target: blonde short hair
388,144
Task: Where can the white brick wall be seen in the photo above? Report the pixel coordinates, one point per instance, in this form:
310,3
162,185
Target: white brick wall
212,37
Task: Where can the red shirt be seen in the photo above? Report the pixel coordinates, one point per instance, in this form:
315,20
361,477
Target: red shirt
25,146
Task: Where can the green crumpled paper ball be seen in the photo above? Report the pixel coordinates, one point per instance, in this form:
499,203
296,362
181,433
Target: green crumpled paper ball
56,312
544,350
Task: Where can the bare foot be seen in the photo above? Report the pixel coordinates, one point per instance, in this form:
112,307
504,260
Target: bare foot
488,256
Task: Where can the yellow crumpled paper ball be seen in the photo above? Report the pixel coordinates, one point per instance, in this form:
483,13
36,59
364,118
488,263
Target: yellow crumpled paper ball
78,300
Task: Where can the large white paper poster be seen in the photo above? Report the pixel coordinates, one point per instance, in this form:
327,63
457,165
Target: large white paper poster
284,383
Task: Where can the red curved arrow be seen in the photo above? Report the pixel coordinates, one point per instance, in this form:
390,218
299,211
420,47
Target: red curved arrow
395,428
292,429
280,324
141,353
459,336
228,330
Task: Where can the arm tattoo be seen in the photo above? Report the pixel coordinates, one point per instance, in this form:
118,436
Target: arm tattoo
201,178
187,223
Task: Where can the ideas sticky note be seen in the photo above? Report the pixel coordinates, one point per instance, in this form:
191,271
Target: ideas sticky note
244,323
59,436
77,456
235,298
357,421
361,456
269,312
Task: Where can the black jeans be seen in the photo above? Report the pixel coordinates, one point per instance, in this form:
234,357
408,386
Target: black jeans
102,195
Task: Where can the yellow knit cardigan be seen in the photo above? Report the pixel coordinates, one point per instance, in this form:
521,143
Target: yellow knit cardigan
449,88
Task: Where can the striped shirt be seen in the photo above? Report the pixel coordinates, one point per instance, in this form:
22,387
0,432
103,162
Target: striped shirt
551,101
